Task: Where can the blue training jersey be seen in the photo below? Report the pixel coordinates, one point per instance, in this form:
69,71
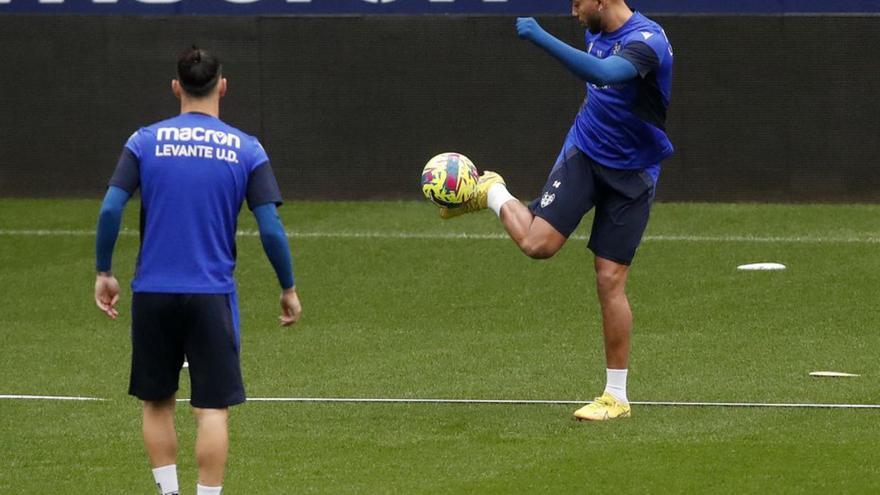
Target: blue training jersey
624,125
194,172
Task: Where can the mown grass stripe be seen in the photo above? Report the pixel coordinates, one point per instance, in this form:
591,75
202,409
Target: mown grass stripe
470,236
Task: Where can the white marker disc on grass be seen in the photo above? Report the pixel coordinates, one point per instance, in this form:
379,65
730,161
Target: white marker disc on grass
832,374
761,266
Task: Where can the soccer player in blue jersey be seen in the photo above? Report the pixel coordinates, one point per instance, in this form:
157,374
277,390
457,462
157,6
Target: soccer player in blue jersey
610,161
194,172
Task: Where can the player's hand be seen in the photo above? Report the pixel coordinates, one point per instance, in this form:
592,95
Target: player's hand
107,294
291,308
528,28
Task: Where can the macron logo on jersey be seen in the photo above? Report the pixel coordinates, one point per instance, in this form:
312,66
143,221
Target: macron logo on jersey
646,35
186,135
199,135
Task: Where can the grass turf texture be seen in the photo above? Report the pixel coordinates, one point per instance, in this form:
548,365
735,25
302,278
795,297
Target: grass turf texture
469,318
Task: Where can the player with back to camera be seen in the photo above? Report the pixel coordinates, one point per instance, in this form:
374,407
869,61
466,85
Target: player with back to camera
194,172
610,161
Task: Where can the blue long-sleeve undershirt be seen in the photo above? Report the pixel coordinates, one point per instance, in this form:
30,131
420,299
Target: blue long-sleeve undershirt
601,71
109,221
275,245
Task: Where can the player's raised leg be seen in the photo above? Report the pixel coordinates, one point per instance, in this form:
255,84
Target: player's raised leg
536,237
160,440
541,228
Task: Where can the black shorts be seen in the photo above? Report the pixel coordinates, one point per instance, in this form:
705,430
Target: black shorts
165,328
622,199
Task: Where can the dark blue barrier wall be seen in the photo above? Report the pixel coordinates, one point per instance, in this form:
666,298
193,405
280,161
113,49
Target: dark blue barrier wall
431,7
764,107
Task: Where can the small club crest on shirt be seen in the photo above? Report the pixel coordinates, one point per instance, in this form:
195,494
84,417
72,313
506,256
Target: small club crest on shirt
547,199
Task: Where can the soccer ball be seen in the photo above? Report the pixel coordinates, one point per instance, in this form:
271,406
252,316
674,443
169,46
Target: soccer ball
449,179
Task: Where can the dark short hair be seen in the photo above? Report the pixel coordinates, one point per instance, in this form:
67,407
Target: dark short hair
198,71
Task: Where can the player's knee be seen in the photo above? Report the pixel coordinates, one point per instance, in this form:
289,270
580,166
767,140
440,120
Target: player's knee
609,280
160,405
211,415
538,249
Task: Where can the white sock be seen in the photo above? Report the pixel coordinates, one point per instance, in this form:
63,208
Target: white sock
616,384
498,195
208,490
166,479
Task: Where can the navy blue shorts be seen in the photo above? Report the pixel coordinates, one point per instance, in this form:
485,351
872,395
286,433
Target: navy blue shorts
622,199
165,328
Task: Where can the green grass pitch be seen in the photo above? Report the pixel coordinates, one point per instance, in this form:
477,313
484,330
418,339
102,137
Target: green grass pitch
397,305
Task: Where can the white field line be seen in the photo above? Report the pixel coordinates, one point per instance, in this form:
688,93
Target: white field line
467,236
486,401
48,397
553,402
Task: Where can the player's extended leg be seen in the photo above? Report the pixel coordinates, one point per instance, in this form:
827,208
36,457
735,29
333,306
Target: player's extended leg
160,440
212,445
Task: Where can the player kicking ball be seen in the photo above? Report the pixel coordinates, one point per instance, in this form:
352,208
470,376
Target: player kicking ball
610,161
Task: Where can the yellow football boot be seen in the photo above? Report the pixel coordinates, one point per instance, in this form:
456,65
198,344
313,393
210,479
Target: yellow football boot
480,201
602,409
